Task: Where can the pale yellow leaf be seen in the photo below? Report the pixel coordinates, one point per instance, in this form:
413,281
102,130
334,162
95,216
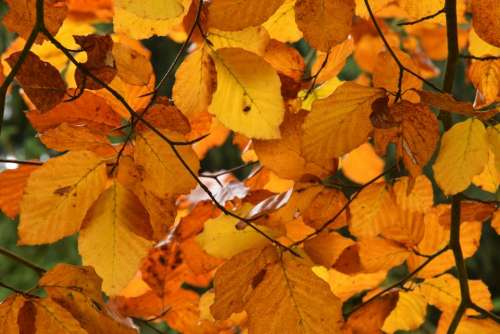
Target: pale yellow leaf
248,96
144,19
58,195
489,178
253,39
281,25
223,238
113,238
463,154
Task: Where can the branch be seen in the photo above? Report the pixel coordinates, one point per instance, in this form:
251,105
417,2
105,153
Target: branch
39,270
482,58
344,208
402,68
428,17
314,78
449,78
22,162
22,57
16,290
401,282
484,312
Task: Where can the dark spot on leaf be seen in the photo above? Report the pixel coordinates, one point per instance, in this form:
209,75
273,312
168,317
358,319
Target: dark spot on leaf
62,191
258,278
246,109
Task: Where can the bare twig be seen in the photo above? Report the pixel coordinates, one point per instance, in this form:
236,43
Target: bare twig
22,162
16,290
482,58
428,17
39,270
314,78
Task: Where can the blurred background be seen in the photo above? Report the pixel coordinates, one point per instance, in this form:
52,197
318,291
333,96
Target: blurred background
18,141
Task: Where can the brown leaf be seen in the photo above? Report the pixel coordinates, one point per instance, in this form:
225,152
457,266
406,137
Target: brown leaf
100,61
40,80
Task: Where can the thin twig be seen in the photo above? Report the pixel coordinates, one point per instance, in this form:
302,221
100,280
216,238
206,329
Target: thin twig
484,312
401,282
482,58
344,208
231,170
21,162
39,270
428,17
16,290
314,78
391,51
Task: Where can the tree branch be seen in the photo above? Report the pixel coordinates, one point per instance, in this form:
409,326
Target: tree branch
482,58
428,17
39,270
22,162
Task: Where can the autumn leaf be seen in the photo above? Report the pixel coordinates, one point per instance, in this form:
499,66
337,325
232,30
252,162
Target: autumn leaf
339,123
114,237
54,207
12,184
248,96
41,81
464,147
235,15
324,24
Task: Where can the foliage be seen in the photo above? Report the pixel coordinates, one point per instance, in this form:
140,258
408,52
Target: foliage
363,187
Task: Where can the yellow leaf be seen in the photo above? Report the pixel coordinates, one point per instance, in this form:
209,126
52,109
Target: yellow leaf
408,314
373,209
324,23
418,198
133,67
479,47
113,238
463,154
485,15
53,318
281,25
345,286
436,237
489,178
144,19
362,164
380,254
339,123
223,238
58,195
253,39
164,175
493,133
233,15
495,221
9,313
194,83
485,76
418,9
290,298
248,97
444,292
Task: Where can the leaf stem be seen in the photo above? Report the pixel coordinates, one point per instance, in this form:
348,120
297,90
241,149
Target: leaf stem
39,270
